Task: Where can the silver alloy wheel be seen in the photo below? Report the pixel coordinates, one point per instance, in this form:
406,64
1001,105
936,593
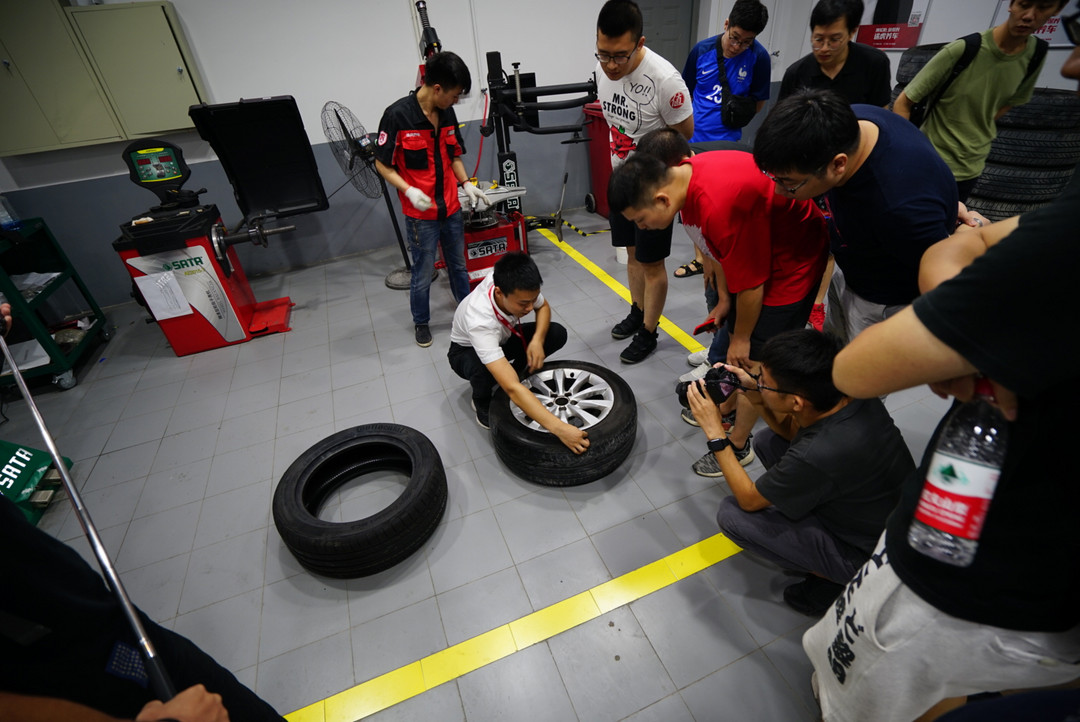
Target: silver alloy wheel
578,397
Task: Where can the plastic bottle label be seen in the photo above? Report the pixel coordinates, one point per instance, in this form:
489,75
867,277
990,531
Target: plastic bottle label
956,495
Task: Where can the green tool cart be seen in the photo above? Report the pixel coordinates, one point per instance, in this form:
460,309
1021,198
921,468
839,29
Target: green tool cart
48,296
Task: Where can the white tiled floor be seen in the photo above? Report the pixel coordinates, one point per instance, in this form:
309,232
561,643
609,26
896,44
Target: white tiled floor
177,459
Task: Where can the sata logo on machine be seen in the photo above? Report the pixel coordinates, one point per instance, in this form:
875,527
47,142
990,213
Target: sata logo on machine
182,264
677,100
484,249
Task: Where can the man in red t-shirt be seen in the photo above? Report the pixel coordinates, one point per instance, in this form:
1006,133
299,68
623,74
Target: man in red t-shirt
771,251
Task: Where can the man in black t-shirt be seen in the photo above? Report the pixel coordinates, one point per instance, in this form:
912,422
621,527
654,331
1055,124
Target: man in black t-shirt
910,633
834,466
858,73
64,636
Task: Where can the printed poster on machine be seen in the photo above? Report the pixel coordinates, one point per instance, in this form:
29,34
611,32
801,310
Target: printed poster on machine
892,24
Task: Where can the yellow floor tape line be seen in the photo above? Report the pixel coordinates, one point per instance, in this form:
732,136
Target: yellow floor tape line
455,661
472,654
689,342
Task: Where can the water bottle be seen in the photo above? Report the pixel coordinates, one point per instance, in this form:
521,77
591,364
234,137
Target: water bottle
960,481
9,220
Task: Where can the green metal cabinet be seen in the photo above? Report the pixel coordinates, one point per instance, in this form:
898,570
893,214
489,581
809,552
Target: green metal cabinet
48,91
32,248
92,74
143,61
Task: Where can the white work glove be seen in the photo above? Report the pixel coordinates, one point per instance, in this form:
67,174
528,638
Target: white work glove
475,194
418,198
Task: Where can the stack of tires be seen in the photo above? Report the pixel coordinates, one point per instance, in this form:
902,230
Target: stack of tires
1033,157
1036,151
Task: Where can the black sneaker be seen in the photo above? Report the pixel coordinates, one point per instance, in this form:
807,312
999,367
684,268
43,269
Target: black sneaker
423,335
813,596
644,343
481,415
629,325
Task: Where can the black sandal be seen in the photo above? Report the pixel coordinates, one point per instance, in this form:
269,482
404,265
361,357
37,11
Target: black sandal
692,268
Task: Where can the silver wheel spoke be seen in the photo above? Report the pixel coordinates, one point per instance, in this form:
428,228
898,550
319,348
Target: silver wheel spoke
588,418
599,406
575,396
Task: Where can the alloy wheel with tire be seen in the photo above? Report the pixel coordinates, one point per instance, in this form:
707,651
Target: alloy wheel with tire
582,394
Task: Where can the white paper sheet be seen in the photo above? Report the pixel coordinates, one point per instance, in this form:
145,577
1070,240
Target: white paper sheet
163,295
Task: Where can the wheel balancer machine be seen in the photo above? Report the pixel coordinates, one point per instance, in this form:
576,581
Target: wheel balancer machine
179,253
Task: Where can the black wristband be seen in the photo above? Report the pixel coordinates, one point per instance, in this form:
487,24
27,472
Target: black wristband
718,444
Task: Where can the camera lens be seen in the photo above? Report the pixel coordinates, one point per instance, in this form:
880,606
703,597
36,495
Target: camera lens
719,384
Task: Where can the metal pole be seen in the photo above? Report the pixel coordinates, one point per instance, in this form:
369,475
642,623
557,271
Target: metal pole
159,679
397,228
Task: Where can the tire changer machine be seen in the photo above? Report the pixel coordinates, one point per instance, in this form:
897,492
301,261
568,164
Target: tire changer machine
493,231
184,268
515,106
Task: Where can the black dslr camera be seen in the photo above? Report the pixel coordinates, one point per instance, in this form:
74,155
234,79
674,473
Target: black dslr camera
719,383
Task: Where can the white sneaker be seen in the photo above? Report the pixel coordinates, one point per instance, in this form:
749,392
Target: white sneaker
697,373
698,357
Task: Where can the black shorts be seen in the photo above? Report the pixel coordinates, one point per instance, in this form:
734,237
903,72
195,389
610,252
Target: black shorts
774,320
649,246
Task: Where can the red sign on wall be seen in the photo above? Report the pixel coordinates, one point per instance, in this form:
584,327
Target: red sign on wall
889,37
892,25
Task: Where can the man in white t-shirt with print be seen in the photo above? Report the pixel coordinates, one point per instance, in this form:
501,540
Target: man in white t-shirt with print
638,91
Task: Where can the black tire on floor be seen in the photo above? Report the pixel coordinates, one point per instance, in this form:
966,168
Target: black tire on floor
1022,185
1048,109
590,203
1000,210
378,542
571,387
913,60
1035,148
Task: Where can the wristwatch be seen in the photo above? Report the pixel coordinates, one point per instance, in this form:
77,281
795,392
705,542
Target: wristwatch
718,444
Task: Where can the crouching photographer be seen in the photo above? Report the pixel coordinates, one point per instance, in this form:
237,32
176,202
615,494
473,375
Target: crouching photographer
833,465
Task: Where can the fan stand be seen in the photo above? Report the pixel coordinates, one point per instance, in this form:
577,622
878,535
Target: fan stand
359,142
399,278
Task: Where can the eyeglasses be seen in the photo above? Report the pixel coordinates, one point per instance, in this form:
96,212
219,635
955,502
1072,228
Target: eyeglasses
762,387
1071,23
604,58
819,43
736,41
792,190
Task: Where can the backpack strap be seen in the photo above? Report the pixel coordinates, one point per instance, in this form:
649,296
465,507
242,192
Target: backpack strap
720,66
1036,59
971,49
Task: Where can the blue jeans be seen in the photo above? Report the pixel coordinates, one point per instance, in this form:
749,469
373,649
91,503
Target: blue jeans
424,239
721,339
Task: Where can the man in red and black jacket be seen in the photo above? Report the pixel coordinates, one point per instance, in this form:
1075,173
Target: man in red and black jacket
419,153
